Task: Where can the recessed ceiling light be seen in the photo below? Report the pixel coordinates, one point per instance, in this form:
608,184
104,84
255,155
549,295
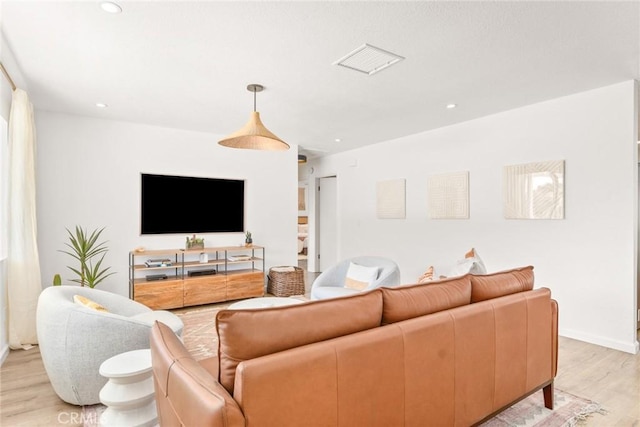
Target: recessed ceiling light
337,140
101,105
110,7
451,106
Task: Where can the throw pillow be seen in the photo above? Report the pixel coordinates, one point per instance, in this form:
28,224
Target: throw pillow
427,276
86,302
474,254
359,276
470,264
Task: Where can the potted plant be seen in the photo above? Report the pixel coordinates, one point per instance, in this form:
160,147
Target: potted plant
195,242
248,241
85,248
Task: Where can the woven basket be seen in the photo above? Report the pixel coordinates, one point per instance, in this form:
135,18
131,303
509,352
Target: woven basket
286,283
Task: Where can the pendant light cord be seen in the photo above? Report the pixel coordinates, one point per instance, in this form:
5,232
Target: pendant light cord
254,99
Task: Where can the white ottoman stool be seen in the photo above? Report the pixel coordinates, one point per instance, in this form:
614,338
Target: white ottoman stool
129,393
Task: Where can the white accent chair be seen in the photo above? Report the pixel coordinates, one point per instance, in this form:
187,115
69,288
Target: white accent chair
74,340
331,282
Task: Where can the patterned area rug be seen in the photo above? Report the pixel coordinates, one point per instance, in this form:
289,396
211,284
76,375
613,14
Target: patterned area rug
200,338
569,410
199,333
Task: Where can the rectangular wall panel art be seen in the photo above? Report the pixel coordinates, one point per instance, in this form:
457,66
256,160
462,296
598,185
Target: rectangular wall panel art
534,190
448,196
391,199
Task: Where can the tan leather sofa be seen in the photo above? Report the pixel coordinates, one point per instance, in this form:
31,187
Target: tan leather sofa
449,353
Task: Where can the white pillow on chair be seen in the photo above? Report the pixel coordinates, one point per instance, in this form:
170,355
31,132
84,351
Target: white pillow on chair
359,277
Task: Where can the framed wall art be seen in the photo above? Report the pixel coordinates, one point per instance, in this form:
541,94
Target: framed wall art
534,190
391,199
448,195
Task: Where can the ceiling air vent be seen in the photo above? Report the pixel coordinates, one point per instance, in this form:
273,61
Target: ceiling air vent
368,59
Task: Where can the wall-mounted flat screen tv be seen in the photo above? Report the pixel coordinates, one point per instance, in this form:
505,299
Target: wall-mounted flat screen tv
183,204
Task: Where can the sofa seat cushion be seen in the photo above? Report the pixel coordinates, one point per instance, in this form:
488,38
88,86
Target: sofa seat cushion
247,334
407,302
488,286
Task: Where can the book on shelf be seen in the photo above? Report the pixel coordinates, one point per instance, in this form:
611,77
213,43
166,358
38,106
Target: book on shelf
158,262
233,258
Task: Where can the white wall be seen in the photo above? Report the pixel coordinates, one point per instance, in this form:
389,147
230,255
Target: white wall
588,259
89,174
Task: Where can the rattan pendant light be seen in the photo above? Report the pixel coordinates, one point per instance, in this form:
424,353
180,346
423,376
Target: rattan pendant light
253,135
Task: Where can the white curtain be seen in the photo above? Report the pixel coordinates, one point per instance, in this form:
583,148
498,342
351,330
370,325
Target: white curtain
23,270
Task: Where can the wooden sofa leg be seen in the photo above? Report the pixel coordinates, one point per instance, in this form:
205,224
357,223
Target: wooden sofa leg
548,396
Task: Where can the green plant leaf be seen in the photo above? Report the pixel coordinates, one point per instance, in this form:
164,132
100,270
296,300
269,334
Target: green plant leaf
84,247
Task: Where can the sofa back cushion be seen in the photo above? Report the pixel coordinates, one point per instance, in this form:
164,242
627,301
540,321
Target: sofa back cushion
484,287
406,302
247,334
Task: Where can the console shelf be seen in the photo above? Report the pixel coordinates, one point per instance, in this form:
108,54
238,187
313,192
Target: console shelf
196,276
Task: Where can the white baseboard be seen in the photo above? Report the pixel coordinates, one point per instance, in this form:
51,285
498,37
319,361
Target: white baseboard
4,353
632,347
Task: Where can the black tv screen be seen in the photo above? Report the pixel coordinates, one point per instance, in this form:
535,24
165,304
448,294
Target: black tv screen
182,204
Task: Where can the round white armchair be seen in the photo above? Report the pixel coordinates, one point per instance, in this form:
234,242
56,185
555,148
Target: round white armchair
74,339
332,282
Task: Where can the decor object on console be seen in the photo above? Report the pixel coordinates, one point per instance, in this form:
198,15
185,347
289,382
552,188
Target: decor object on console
449,196
194,242
254,135
331,283
446,348
84,247
248,241
74,339
391,199
534,190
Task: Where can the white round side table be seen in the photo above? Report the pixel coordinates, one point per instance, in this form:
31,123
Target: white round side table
264,302
129,394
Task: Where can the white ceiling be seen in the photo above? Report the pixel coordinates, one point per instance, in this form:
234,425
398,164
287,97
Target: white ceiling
187,64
